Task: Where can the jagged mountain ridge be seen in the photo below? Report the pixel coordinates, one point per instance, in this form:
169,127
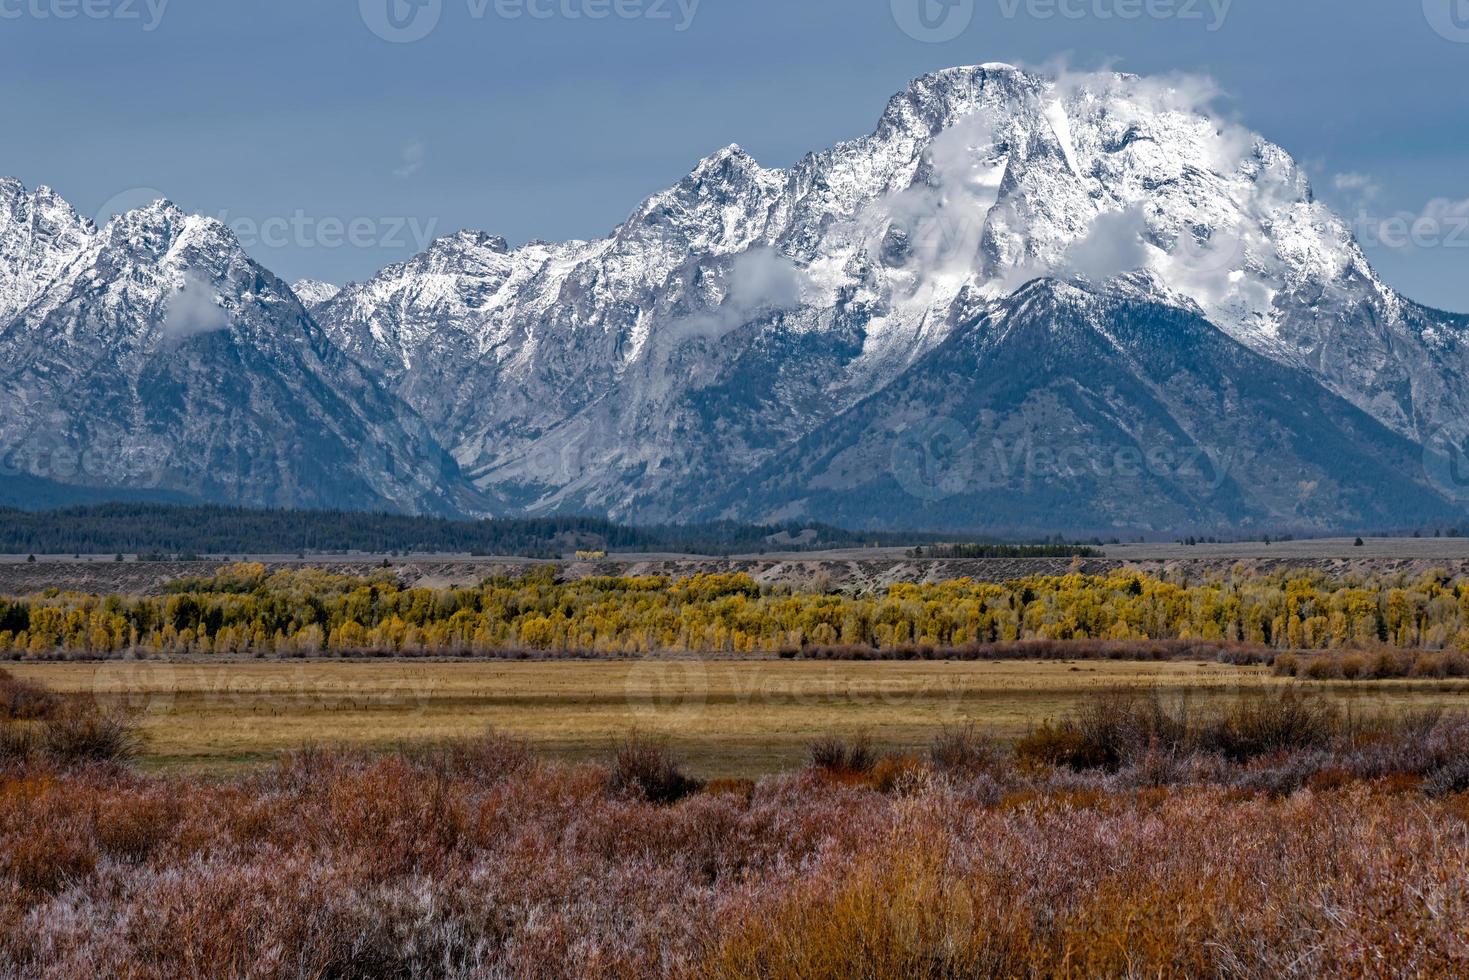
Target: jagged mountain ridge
160,360
747,307
746,312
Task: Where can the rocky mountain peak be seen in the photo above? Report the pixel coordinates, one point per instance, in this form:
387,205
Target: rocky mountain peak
314,292
40,234
937,101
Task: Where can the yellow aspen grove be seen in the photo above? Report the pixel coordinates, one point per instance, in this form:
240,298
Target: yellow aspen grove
243,611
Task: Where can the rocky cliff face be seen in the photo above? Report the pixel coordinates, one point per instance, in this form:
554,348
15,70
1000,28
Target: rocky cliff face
39,235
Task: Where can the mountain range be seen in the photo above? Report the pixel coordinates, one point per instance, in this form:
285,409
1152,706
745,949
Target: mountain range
1024,302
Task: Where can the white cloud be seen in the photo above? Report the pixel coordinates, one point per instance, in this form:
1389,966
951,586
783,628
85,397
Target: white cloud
1360,186
194,310
414,156
1446,211
1221,147
941,220
1210,271
763,278
1114,245
760,281
1442,223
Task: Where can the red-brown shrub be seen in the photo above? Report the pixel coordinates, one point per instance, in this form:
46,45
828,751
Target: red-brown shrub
24,701
643,768
1287,665
80,734
17,744
967,752
843,755
741,788
1058,744
897,773
488,758
47,859
1322,668
418,863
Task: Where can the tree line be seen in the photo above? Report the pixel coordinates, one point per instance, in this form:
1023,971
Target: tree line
244,609
979,551
160,529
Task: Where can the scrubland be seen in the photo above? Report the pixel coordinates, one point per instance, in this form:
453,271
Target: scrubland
1138,835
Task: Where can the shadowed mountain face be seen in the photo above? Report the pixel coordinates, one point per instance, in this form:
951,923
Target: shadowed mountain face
1021,302
1065,408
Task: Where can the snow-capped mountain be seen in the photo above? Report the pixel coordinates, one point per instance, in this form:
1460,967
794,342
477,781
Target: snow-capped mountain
747,308
1098,263
160,360
313,292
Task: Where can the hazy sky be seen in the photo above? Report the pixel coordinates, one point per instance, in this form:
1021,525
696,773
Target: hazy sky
335,150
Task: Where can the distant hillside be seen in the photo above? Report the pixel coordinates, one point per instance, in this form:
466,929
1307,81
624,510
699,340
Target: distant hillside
145,528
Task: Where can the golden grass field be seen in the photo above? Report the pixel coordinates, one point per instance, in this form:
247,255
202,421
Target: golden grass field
724,717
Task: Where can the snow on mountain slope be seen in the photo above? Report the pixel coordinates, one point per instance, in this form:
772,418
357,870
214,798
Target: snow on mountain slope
161,358
747,307
746,311
39,235
313,292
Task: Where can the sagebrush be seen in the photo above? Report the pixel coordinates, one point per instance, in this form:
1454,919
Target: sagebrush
1342,857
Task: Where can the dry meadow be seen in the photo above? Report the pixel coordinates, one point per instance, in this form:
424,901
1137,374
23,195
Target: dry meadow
741,717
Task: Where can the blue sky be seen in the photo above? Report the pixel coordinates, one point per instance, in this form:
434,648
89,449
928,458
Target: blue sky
336,151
